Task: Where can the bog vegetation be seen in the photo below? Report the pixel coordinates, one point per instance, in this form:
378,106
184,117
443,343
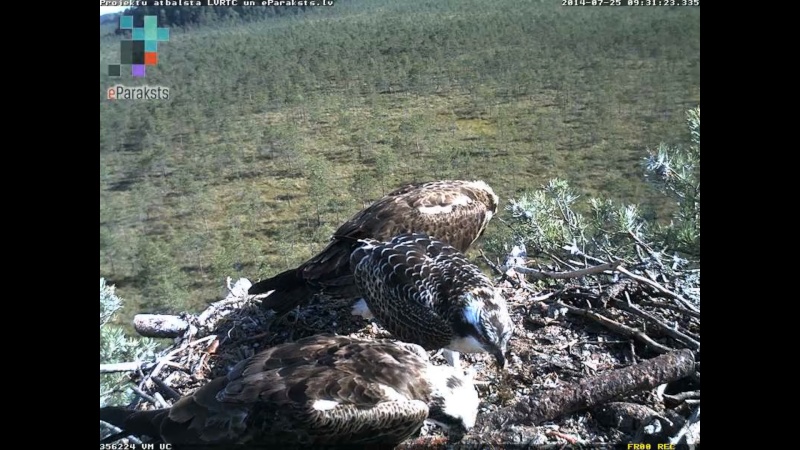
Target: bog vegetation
282,124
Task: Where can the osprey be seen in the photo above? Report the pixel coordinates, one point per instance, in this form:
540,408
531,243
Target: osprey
456,212
426,292
318,391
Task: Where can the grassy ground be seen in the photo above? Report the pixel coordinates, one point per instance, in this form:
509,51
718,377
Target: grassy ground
278,131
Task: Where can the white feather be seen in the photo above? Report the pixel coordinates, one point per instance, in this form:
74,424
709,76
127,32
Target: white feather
360,308
324,405
452,358
367,243
463,405
461,200
460,402
438,209
466,345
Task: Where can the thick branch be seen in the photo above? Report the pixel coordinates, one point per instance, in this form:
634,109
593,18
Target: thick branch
566,399
160,325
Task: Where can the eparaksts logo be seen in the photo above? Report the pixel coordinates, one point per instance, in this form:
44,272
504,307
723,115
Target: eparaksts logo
120,92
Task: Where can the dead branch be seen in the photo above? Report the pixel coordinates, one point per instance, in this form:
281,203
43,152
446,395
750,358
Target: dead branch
159,365
668,330
123,367
677,399
515,283
560,261
615,326
647,248
236,294
573,248
160,325
163,403
570,398
541,274
168,391
162,361
624,416
616,289
114,430
500,271
677,308
147,397
690,433
659,288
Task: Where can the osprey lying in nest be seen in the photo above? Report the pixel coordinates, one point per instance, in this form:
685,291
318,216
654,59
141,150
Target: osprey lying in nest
426,292
455,212
318,391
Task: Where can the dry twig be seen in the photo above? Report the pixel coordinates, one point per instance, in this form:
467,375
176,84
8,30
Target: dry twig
669,306
168,391
690,431
615,326
540,274
659,288
671,332
676,399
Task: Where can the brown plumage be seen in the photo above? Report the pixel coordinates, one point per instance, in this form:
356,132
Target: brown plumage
426,292
318,391
455,212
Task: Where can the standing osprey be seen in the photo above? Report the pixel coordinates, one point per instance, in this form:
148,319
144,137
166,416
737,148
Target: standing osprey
456,212
426,292
320,390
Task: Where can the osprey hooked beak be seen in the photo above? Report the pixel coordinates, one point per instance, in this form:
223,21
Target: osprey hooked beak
500,358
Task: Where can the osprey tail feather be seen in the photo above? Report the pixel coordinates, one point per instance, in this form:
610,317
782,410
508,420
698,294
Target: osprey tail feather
289,291
326,273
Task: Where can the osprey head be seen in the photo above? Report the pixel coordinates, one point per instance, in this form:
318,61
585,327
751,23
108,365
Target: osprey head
485,325
454,400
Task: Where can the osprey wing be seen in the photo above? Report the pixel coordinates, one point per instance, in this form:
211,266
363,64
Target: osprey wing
337,390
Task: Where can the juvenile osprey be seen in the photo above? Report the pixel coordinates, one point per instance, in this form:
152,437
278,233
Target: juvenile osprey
426,292
456,212
320,390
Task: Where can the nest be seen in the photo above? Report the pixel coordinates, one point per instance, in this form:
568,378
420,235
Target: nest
550,349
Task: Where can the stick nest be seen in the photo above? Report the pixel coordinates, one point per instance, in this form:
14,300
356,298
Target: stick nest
565,335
